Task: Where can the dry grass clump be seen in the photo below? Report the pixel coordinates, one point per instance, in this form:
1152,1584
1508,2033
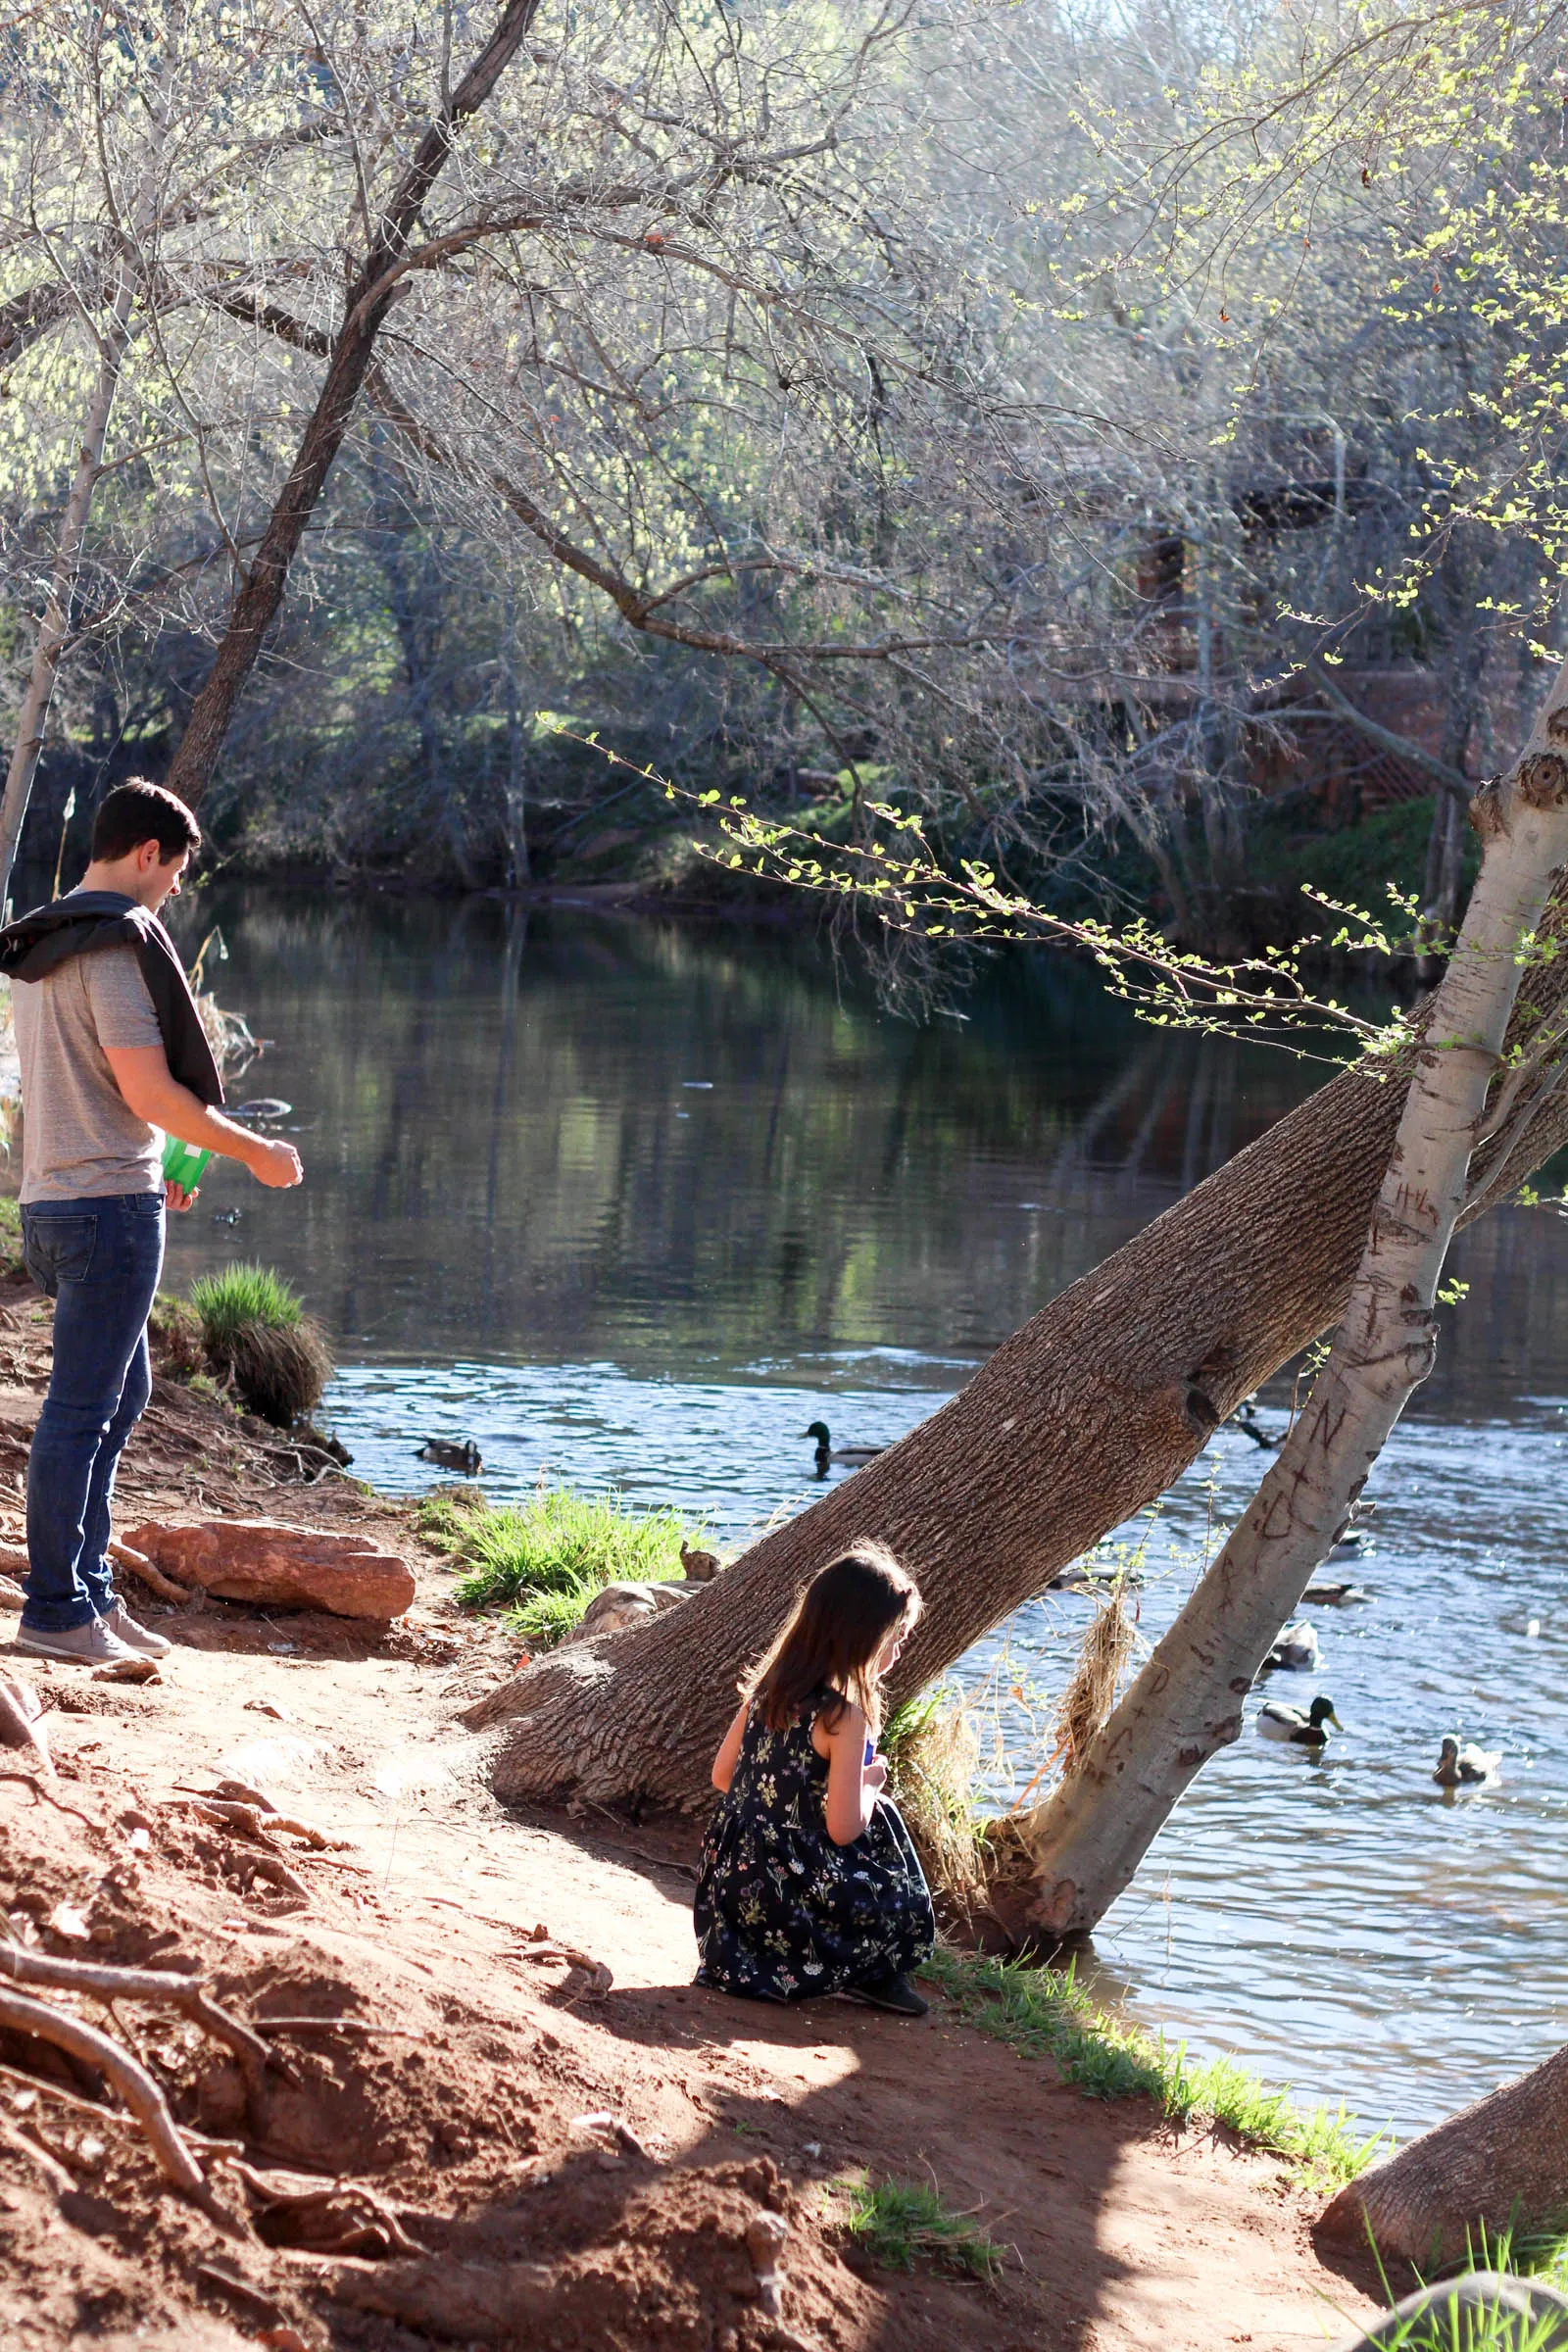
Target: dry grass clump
1091,1689
933,1753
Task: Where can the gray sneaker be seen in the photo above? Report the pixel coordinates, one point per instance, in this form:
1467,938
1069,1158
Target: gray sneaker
137,1638
93,1645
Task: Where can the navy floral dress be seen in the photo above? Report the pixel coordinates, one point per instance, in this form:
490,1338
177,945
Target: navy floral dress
782,1912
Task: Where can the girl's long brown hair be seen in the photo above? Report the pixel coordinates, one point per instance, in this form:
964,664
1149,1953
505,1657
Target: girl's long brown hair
833,1636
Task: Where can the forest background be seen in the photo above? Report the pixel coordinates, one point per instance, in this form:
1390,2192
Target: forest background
1127,438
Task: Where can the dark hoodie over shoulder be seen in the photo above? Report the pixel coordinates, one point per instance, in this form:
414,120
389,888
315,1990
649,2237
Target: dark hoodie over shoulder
87,921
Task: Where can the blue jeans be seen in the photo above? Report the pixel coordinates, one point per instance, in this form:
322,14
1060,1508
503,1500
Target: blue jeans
99,1260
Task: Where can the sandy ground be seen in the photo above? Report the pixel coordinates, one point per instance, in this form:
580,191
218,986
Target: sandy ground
458,2106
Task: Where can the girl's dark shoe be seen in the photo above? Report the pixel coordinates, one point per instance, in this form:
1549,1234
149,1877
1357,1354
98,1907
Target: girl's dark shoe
890,1992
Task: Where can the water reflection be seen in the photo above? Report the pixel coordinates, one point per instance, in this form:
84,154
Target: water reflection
635,1204
550,1137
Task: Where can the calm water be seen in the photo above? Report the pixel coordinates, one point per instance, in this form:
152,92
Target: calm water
634,1204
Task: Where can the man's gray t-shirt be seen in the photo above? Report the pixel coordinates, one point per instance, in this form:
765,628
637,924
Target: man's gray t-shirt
80,1140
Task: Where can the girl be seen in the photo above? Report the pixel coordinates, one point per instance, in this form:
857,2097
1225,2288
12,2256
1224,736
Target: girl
808,1883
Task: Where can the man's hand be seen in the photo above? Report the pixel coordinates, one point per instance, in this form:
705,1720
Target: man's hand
274,1163
177,1200
142,1073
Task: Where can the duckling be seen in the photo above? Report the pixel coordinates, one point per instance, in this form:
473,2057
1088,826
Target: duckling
1466,1767
1295,1651
827,1452
464,1457
1301,1727
697,1567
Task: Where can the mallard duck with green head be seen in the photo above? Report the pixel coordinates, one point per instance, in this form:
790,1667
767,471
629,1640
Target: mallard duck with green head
1299,1726
827,1452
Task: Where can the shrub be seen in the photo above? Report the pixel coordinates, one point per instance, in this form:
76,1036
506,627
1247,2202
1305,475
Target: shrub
258,1336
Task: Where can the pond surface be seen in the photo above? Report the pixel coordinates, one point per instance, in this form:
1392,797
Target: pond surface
632,1203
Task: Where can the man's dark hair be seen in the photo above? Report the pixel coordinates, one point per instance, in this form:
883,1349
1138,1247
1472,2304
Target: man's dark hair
136,811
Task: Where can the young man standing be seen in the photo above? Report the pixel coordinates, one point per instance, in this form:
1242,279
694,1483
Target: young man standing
111,1050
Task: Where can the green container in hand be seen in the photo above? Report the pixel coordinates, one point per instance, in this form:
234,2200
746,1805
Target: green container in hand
183,1164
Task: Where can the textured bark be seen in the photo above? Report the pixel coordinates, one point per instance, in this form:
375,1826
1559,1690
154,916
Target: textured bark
1095,1407
367,303
1186,1704
1502,2162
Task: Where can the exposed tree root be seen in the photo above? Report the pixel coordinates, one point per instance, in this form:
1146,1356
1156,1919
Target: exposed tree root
153,1577
135,2086
158,1988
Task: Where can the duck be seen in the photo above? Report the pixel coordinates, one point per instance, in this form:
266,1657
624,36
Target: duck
1466,1767
451,1456
1246,1420
1301,1727
265,1106
827,1452
1335,1597
1295,1651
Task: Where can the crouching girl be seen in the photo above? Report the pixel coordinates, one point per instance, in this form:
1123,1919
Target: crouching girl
808,1883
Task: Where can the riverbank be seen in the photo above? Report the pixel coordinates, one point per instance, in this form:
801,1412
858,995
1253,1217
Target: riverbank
453,2103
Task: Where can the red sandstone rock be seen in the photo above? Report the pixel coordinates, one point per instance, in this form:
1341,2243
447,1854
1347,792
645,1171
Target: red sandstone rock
285,1567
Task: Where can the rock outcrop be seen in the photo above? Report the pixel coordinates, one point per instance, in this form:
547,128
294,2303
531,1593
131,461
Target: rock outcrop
270,1563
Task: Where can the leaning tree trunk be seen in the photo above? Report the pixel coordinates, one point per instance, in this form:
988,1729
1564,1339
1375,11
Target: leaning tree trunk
1095,1407
1089,1837
366,301
1501,2162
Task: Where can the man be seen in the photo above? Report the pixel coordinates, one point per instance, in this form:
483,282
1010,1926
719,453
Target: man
112,1050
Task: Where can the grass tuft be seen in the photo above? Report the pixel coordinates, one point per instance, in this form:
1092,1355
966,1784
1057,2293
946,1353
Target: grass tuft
543,1561
443,1515
176,1333
1048,2012
242,1295
900,2222
258,1334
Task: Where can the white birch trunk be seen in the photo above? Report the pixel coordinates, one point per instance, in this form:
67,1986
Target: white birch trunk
1186,1704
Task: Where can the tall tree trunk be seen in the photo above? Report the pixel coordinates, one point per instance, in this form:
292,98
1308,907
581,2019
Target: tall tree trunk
1186,1704
1501,2162
365,304
113,333
1095,1407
